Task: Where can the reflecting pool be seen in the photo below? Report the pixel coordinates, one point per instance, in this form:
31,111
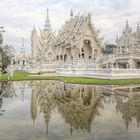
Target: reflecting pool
53,110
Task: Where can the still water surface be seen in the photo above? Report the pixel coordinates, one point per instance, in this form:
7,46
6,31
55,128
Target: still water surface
51,110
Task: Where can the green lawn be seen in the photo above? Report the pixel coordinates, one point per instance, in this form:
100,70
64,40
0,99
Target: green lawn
20,75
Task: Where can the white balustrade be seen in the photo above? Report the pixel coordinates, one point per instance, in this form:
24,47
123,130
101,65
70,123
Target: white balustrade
101,73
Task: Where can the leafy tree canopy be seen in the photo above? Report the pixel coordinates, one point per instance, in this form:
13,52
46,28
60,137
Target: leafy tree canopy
6,55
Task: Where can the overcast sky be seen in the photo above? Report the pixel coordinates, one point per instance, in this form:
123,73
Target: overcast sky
18,16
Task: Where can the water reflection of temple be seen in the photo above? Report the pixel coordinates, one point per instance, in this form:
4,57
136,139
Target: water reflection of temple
23,85
129,106
80,104
6,91
41,96
127,100
77,104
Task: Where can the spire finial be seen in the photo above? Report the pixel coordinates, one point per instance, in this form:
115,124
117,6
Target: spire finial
138,25
22,42
71,14
127,29
48,14
138,29
117,38
47,18
47,22
127,24
34,28
22,47
89,14
127,21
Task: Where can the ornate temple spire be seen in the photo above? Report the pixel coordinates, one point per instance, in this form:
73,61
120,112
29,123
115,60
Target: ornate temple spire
127,25
34,28
34,31
89,16
47,22
22,42
33,107
22,47
137,34
127,29
71,14
138,25
117,38
33,34
138,28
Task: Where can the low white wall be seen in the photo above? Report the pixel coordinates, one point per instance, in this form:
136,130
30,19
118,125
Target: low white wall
101,73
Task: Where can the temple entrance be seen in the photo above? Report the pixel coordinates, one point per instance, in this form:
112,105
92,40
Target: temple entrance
50,56
86,50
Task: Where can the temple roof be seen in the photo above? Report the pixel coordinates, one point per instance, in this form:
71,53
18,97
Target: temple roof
74,28
129,36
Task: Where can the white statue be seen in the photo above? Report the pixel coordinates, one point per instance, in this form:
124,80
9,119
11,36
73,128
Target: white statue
10,72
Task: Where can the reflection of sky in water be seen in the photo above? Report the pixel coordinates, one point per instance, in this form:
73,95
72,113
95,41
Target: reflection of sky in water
108,123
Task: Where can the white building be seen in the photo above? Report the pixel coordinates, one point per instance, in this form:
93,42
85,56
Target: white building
76,50
76,45
22,59
128,48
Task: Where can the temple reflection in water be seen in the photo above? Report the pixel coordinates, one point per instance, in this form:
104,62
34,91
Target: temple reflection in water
6,91
79,105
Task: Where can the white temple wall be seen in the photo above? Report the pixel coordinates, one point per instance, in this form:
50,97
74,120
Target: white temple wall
100,73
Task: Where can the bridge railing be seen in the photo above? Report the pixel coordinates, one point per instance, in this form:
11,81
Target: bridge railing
101,73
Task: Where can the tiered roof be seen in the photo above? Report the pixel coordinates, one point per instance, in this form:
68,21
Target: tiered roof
129,38
74,28
71,31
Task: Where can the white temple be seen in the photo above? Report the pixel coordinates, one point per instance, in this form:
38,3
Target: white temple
76,50
128,48
22,59
77,44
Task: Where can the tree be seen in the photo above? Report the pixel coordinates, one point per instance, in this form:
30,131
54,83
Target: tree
7,54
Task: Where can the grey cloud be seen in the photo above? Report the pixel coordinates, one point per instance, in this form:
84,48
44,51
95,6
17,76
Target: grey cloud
18,16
